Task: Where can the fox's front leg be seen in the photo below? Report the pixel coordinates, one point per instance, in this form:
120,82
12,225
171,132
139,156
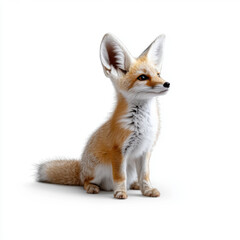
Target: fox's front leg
119,177
142,164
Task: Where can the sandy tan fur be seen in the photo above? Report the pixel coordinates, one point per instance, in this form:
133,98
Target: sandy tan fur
106,144
65,172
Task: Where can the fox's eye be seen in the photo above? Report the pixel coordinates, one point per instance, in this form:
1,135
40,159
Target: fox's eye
158,74
143,77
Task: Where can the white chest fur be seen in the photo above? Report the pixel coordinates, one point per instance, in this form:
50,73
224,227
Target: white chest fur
142,120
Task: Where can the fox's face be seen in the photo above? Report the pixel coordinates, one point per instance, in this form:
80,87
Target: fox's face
138,78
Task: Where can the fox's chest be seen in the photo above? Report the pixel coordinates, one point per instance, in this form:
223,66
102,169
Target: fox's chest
142,120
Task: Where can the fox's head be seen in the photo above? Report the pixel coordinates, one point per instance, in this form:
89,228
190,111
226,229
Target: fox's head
138,78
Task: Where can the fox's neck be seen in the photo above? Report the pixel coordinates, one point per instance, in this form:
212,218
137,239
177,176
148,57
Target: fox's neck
133,102
139,119
128,107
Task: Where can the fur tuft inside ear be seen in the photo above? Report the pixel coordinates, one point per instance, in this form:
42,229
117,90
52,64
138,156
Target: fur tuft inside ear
114,56
155,51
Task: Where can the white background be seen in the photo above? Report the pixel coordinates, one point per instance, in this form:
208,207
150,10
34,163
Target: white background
54,95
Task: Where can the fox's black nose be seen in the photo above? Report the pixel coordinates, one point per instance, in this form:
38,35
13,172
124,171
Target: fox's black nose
166,84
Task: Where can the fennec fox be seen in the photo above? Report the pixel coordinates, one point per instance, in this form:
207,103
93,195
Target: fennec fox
116,156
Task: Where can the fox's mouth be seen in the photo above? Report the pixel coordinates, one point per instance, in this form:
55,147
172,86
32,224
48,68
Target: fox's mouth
163,92
156,93
160,89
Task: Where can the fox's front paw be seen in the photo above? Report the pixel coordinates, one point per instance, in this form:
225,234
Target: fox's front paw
120,195
151,192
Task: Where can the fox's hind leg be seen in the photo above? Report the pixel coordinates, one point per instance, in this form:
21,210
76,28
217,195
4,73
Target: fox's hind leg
91,188
88,165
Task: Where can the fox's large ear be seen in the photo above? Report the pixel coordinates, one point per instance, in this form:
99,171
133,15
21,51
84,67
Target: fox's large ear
155,51
114,56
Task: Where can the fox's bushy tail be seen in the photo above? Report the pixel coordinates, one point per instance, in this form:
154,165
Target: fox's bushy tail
65,172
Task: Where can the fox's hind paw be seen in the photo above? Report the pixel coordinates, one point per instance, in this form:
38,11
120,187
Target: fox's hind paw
92,188
135,186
